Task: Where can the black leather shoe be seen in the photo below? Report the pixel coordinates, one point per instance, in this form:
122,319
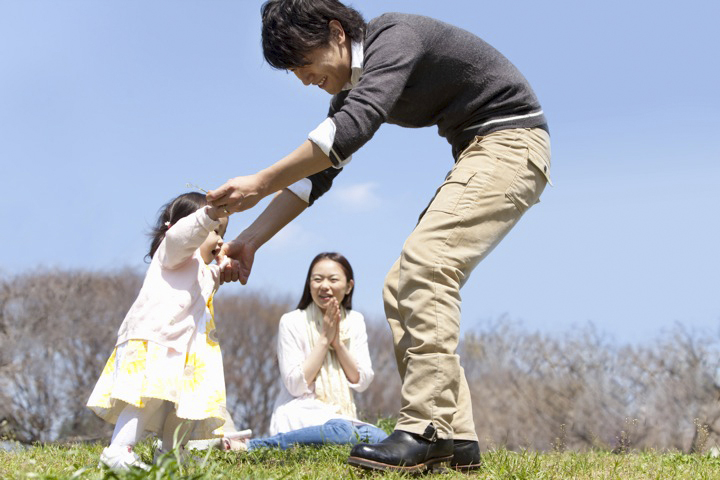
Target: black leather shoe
402,451
466,456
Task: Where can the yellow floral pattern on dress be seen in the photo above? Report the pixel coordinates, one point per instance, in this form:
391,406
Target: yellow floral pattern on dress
195,372
133,362
193,381
110,365
210,325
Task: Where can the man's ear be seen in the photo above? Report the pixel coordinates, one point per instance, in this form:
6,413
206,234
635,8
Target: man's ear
337,32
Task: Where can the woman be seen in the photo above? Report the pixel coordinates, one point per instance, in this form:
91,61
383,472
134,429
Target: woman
323,356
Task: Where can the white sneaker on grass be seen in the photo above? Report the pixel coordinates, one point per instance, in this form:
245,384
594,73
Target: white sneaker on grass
121,458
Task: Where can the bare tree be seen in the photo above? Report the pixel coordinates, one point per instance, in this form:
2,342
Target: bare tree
581,391
248,325
578,391
58,331
382,398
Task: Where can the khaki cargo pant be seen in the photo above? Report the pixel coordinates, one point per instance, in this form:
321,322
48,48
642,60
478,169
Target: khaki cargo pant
495,180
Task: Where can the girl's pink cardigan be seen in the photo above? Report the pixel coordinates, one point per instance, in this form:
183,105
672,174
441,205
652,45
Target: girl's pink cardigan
176,289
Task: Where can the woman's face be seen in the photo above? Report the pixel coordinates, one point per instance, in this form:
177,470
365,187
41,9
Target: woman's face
327,281
328,67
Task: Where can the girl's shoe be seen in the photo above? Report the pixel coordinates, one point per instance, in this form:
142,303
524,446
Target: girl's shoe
121,458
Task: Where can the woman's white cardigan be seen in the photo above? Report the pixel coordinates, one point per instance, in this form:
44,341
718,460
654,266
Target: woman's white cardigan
297,406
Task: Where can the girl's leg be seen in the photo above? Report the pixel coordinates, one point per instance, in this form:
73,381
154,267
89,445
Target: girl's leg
332,432
131,423
128,430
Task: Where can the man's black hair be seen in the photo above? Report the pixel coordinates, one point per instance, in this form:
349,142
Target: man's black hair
293,28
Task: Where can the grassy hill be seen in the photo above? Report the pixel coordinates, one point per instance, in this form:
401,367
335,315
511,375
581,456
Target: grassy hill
80,462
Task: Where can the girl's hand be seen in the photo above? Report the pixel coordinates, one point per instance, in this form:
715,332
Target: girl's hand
229,268
215,213
331,322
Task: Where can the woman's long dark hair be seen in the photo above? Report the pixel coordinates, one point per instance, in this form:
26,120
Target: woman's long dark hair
306,298
177,208
293,28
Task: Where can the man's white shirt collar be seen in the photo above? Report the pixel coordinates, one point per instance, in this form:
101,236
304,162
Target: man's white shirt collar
356,64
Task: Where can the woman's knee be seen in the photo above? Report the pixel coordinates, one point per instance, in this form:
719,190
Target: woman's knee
338,431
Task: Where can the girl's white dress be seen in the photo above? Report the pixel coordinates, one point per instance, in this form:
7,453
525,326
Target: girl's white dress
168,348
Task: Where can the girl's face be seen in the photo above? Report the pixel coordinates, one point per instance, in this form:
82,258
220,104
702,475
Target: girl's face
211,246
328,67
327,281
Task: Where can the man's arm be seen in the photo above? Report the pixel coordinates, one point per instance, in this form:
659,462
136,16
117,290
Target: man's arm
241,193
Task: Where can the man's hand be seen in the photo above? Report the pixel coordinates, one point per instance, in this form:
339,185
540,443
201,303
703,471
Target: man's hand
242,255
237,194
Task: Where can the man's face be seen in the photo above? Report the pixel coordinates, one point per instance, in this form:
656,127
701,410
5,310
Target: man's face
329,66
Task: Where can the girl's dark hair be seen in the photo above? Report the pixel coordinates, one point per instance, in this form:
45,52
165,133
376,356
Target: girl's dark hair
293,28
306,298
177,208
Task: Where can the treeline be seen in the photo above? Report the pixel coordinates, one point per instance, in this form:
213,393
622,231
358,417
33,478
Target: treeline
530,391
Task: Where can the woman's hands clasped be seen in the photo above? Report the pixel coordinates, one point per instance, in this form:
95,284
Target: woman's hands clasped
331,323
331,332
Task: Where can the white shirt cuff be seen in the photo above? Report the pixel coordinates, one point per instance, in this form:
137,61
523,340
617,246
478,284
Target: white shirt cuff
324,136
302,189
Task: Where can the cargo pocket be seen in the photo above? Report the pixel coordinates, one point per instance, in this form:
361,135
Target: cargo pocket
542,163
529,182
451,191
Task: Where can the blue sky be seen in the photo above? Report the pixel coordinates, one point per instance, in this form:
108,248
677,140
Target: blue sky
108,109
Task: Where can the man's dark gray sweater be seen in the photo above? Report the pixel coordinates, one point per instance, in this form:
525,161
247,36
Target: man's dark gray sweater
418,72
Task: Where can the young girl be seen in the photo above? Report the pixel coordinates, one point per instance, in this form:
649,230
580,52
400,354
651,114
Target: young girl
165,374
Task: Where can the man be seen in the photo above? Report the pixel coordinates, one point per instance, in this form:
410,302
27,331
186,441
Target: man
411,71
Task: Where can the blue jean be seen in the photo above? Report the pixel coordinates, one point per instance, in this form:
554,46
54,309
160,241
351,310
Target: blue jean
336,431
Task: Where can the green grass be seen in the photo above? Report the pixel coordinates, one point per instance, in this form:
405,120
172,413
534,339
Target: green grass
80,461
